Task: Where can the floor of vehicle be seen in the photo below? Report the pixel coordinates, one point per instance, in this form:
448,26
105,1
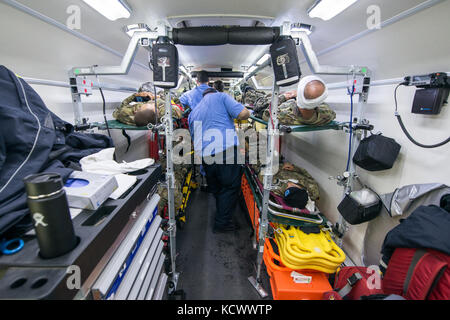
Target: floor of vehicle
215,266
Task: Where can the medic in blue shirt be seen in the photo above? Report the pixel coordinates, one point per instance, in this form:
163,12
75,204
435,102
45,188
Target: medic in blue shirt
211,124
193,97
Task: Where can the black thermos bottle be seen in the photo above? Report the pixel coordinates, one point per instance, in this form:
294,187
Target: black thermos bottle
50,214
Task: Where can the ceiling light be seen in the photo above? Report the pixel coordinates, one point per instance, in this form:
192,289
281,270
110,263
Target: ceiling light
327,9
139,27
263,59
302,27
111,9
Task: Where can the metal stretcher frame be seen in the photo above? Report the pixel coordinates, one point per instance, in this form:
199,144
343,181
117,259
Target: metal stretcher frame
333,125
276,216
273,129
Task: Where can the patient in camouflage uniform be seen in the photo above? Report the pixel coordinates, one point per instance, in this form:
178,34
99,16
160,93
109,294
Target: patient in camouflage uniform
290,115
305,107
290,176
139,108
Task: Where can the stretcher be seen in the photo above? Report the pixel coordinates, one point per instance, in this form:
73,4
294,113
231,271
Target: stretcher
188,185
333,125
278,211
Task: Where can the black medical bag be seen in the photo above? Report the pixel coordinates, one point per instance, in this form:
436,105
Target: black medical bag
285,61
165,64
376,153
356,212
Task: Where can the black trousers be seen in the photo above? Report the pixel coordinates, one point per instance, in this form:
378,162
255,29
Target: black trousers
224,182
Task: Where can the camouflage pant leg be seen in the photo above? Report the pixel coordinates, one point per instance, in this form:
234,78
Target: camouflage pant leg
177,197
179,173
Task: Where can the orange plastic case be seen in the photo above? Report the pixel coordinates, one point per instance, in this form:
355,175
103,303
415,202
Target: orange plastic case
250,203
281,282
283,285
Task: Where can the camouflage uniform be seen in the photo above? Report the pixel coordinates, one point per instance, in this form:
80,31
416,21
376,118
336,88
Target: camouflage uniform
262,102
125,113
252,97
280,180
288,114
180,171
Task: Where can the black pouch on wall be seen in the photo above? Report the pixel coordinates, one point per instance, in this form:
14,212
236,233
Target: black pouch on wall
356,211
376,153
285,61
165,64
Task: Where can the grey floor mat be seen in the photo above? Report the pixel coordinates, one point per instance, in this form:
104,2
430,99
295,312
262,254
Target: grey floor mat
215,266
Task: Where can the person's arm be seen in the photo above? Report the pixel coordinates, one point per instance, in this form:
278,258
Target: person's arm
184,100
244,115
128,100
235,109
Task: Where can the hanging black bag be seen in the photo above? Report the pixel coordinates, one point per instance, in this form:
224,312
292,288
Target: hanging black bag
285,61
165,64
376,153
360,206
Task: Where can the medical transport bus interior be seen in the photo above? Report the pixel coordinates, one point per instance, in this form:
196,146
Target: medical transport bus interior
248,150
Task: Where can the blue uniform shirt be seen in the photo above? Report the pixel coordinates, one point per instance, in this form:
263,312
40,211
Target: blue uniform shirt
211,124
194,96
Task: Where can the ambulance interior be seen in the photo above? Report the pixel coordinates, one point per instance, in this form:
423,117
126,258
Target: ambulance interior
374,56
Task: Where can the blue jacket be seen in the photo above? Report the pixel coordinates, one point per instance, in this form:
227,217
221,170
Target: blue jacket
33,140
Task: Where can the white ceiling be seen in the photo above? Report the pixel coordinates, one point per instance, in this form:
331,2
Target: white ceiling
326,33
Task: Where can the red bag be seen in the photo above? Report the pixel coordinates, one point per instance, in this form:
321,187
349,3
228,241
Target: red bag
418,274
354,283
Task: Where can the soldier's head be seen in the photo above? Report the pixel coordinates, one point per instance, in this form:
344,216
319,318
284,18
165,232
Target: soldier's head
296,197
311,93
145,115
202,77
314,89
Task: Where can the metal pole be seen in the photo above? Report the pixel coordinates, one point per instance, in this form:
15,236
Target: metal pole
170,180
272,156
349,185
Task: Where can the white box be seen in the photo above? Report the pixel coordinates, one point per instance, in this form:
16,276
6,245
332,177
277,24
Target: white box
89,190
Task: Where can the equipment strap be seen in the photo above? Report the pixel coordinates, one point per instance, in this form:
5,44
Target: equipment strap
125,134
415,260
351,282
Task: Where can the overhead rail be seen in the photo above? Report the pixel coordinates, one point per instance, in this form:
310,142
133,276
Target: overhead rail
62,84
216,36
221,74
